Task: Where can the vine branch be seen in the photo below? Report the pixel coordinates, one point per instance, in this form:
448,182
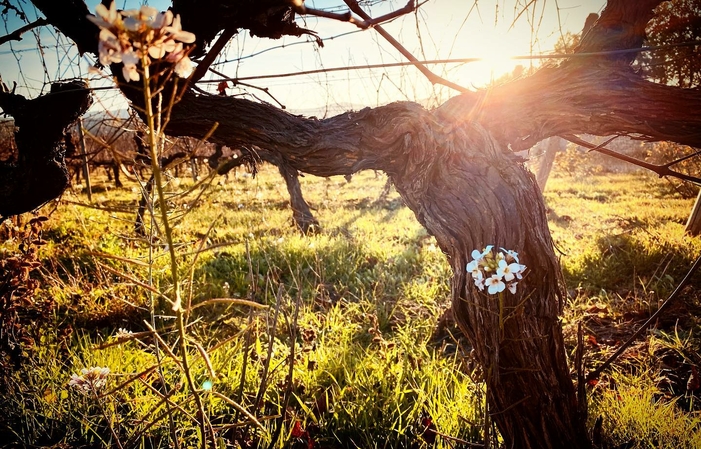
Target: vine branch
661,170
212,54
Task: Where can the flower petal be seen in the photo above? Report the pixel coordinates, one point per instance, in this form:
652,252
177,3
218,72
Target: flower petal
184,67
157,51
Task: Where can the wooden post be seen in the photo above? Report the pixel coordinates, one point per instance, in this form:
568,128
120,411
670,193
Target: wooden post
693,225
545,165
84,156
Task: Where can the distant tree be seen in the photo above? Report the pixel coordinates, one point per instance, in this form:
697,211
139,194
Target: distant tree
676,22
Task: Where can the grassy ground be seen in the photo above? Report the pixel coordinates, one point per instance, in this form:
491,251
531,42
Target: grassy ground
356,307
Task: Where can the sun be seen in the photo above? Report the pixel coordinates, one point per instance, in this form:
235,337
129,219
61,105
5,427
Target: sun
496,59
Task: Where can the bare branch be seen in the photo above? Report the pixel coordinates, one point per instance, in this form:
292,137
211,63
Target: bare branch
597,372
7,7
621,25
300,8
599,99
17,34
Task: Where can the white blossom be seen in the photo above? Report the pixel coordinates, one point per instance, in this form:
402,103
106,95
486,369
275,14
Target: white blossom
183,65
123,334
130,59
511,253
479,283
495,284
507,270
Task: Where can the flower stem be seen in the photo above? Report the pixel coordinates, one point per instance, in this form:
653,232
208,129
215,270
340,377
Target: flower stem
501,314
96,398
153,141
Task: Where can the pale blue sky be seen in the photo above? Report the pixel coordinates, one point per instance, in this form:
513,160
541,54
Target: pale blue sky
444,26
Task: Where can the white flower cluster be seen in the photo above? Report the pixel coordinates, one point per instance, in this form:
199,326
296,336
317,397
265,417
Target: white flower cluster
123,334
495,270
90,379
127,36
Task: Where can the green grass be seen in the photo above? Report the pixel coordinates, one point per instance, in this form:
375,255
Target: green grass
370,287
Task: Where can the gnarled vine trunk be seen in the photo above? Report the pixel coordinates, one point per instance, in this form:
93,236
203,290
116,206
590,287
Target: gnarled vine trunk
476,194
469,191
39,173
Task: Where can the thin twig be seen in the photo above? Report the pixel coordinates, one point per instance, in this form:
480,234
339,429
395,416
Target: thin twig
131,442
246,351
235,83
240,408
128,381
582,404
119,258
133,280
237,301
164,345
458,440
432,77
166,399
155,138
290,373
271,340
197,253
682,159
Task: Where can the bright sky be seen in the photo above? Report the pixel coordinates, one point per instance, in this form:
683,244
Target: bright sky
440,29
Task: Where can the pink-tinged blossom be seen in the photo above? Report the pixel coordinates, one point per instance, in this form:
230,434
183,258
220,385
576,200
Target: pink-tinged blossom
183,65
135,36
90,379
130,59
105,17
176,30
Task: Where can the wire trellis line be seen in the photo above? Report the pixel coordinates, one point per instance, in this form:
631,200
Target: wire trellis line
453,61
